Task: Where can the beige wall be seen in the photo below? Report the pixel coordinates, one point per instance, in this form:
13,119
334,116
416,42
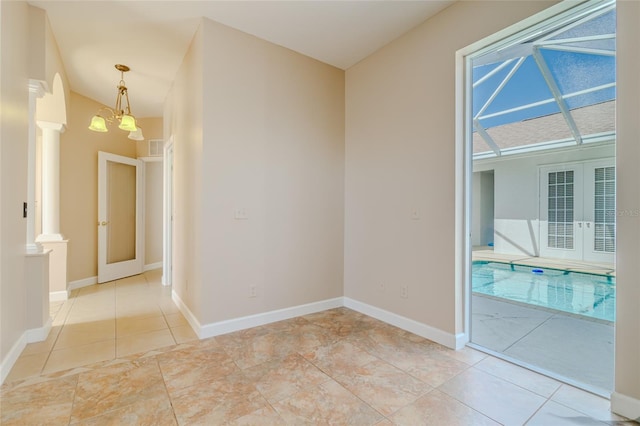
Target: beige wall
14,103
400,151
627,376
273,146
152,128
153,212
182,120
79,148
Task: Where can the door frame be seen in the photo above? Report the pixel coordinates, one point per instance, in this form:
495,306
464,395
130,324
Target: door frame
464,156
167,215
110,272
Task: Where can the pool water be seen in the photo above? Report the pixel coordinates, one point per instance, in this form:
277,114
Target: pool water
577,293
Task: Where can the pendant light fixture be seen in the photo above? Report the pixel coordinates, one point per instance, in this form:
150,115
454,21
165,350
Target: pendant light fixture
121,113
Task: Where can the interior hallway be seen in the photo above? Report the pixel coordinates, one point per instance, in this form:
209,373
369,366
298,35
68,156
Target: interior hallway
121,353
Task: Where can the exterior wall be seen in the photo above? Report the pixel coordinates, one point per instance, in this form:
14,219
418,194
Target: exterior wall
79,148
400,156
482,214
517,195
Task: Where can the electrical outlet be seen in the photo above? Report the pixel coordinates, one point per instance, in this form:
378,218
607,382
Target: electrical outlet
404,291
381,287
415,214
252,291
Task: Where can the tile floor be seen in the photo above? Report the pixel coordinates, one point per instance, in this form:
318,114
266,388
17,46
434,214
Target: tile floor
120,354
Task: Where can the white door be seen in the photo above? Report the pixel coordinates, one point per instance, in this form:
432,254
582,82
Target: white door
120,212
600,211
560,188
577,211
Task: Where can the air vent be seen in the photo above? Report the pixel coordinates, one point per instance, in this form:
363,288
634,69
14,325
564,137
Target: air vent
155,147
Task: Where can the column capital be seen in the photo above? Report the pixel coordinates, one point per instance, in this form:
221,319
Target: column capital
59,127
38,87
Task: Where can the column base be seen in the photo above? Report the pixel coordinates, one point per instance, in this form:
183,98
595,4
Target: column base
34,248
42,238
57,265
37,280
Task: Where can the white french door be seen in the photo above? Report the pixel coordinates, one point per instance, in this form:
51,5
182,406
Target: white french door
120,208
577,211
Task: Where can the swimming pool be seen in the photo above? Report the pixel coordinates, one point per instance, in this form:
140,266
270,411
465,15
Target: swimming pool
577,293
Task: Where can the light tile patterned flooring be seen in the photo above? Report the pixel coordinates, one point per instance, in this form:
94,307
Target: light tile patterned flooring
121,353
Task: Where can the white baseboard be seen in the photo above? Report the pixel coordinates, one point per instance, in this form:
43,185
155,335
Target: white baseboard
152,266
625,406
12,356
204,331
86,282
29,336
188,315
228,326
57,296
447,339
39,334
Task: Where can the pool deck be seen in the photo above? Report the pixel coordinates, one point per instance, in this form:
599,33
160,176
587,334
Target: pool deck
577,349
600,268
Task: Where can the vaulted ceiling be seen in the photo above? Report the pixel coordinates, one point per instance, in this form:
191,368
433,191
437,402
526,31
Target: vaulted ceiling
152,37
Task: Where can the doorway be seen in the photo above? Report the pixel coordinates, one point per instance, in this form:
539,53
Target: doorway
540,114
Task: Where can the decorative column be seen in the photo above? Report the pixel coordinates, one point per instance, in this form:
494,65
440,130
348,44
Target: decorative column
51,238
37,90
37,318
51,180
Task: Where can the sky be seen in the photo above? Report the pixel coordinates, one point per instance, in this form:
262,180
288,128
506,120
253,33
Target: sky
572,72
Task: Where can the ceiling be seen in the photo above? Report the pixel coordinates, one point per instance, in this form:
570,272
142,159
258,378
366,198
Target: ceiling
152,37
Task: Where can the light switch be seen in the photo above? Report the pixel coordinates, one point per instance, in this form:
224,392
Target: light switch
240,214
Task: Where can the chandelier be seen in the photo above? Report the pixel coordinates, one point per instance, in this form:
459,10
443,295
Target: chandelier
121,113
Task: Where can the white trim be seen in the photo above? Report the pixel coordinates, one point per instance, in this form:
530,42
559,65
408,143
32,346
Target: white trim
85,282
167,214
242,323
626,406
499,41
452,341
228,326
189,316
38,334
12,356
447,339
29,336
57,296
152,266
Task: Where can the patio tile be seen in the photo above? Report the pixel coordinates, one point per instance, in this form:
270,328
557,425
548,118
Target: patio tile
554,345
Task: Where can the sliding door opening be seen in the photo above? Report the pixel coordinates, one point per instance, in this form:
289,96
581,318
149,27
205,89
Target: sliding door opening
541,190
